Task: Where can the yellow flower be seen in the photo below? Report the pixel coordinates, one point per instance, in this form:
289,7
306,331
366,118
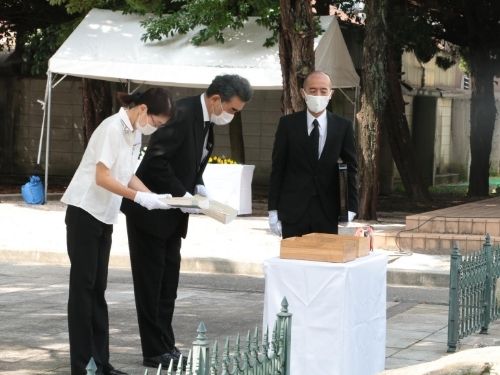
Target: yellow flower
221,160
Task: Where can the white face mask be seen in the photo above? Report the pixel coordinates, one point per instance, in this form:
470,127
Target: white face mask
223,119
146,129
317,104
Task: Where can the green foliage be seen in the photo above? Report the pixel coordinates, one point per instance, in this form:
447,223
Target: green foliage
212,16
445,62
127,6
40,45
21,17
469,26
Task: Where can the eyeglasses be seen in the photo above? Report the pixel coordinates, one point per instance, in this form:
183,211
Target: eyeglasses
231,110
156,122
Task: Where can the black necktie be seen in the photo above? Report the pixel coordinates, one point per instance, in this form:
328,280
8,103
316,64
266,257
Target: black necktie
206,130
314,137
206,127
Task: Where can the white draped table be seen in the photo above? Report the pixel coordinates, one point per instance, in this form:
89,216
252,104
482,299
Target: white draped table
339,313
230,184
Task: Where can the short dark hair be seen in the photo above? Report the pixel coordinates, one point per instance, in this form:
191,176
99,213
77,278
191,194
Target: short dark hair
230,85
157,99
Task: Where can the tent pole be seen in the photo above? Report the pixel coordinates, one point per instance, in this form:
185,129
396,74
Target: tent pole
44,116
47,139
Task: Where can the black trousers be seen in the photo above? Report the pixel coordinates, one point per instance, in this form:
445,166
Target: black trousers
155,265
89,245
314,220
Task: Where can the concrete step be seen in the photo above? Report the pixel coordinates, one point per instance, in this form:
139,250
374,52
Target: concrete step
430,223
429,243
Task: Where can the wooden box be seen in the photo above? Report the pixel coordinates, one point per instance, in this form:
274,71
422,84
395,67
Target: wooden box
324,247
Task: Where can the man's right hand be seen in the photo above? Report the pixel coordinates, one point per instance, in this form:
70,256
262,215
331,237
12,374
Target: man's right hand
274,223
151,201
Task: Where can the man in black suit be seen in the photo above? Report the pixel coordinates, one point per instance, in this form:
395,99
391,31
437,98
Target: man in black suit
304,185
173,164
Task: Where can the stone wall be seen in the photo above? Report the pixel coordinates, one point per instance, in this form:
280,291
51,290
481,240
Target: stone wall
260,119
21,126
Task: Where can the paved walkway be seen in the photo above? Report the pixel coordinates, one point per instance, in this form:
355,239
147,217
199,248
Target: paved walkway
36,233
33,296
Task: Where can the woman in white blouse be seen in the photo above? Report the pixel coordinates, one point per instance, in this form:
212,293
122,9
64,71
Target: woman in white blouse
104,176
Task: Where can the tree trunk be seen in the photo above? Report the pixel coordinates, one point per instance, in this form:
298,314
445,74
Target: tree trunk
296,49
396,127
482,121
382,110
236,139
97,105
373,100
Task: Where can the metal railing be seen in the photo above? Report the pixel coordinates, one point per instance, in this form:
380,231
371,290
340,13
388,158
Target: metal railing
473,299
271,357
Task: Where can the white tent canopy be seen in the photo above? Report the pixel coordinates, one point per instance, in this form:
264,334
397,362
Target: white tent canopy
107,45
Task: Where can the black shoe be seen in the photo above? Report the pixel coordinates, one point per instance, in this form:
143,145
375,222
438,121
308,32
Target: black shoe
163,359
110,370
177,354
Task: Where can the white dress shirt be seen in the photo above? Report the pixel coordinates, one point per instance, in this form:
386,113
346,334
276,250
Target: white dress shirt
322,121
116,144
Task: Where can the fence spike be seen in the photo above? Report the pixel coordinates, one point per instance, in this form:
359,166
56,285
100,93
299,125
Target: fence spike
158,371
179,365
284,305
237,345
226,349
455,250
214,358
201,338
255,339
249,341
170,369
488,239
265,343
189,366
91,367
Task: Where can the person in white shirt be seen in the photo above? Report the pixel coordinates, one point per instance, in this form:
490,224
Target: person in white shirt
106,174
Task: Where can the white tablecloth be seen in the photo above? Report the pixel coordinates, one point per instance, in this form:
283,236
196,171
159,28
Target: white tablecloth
230,184
339,313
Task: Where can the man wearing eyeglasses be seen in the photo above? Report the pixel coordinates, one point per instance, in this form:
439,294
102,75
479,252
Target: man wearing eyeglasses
173,164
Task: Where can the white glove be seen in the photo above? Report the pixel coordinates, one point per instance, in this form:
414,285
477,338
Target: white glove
351,215
201,190
274,223
151,201
190,210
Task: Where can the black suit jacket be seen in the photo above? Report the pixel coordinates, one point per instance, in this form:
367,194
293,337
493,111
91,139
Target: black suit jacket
296,176
172,165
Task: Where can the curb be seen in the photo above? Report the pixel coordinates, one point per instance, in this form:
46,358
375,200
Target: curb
19,197
405,277
395,276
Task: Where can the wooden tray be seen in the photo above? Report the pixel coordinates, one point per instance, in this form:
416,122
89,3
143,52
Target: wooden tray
324,247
